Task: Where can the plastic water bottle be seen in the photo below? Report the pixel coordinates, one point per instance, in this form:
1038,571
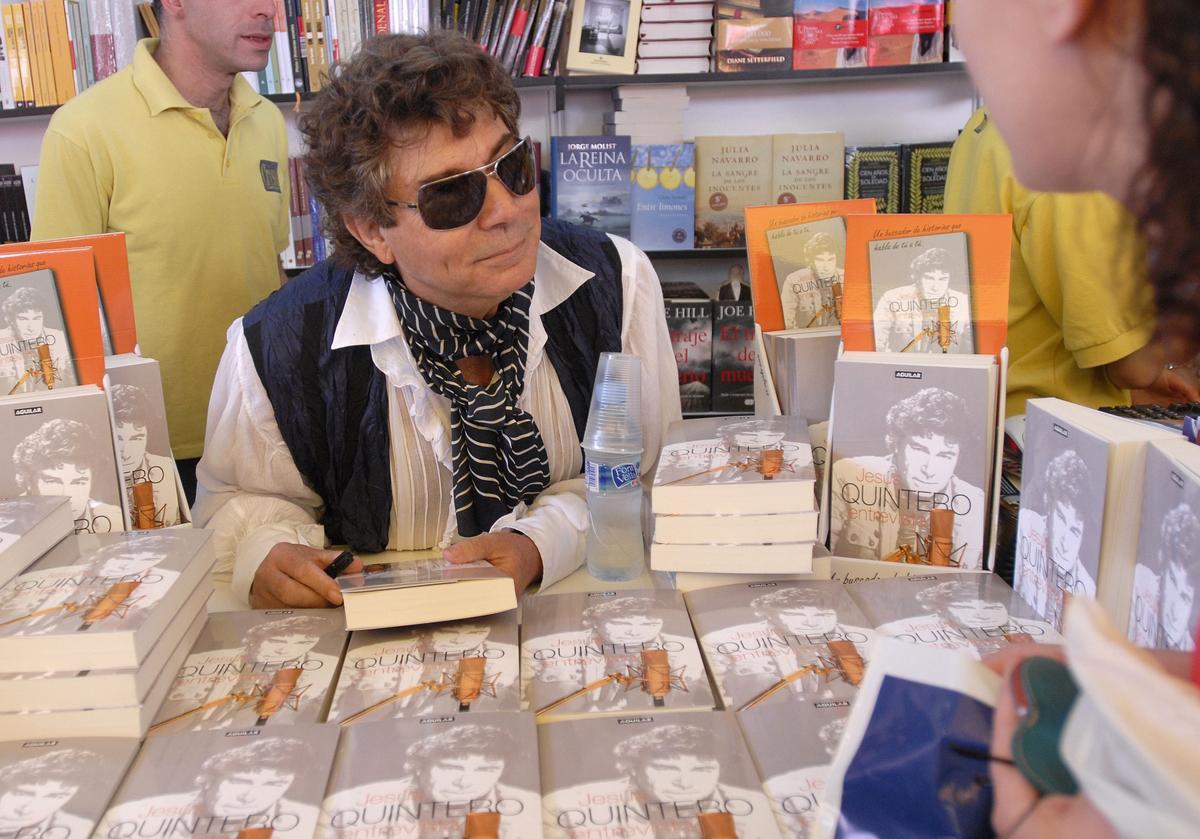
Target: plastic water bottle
612,445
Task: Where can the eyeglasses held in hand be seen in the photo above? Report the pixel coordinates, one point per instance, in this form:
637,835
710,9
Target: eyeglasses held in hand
456,200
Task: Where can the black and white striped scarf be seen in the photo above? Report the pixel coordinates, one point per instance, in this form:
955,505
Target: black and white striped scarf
498,455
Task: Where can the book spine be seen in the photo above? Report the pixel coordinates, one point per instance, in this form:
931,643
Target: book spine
382,20
14,62
36,37
85,39
64,71
7,101
24,48
557,34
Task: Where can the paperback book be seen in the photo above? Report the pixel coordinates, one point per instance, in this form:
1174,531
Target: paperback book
976,612
60,788
256,668
829,34
732,173
441,668
61,443
794,643
610,653
690,324
918,284
589,182
874,172
1164,611
435,776
664,196
910,459
797,255
808,167
643,772
735,465
905,32
925,166
147,464
28,528
801,365
733,356
214,783
754,43
99,602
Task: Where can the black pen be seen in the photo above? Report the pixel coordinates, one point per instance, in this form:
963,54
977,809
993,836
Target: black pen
979,754
340,563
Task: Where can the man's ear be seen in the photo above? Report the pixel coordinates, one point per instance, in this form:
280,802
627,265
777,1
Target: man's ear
369,236
1064,20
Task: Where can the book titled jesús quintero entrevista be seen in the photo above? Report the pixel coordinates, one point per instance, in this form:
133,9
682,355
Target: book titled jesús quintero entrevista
221,783
423,590
61,443
1080,512
770,642
610,652
60,788
28,528
262,667
643,773
441,668
99,602
732,173
664,196
589,182
424,776
975,612
911,454
735,465
1163,609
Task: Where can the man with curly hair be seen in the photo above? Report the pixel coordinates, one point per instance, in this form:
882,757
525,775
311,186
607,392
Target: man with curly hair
36,794
428,385
132,410
24,328
880,503
909,312
1178,608
62,457
1054,548
464,769
239,788
811,285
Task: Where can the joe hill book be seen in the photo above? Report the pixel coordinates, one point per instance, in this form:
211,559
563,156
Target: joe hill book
732,173
59,789
690,323
432,777
226,783
781,642
589,182
440,668
651,775
262,667
610,652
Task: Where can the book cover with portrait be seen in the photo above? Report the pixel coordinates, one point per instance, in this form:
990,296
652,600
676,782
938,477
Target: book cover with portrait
423,777
927,283
911,451
654,775
798,252
49,321
99,602
732,173
140,418
792,747
439,668
589,182
1163,610
610,652
220,783
975,612
59,789
28,528
254,668
62,443
769,642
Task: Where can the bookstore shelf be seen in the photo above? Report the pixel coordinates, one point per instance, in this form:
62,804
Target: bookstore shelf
699,253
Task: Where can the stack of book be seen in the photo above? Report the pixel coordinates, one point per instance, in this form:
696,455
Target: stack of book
92,634
16,201
675,37
735,495
648,113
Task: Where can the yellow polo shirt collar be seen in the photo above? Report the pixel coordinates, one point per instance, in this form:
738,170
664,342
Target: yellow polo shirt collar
162,95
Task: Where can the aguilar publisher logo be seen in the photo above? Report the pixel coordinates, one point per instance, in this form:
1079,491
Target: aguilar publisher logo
1060,431
269,170
27,412
909,374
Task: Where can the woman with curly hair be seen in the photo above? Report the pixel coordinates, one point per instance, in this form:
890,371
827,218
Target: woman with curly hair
1105,95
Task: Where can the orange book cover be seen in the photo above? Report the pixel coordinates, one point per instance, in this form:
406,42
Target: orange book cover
49,298
776,240
927,283
112,278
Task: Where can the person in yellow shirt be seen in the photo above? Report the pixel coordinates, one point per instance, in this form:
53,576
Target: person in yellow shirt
180,153
1081,316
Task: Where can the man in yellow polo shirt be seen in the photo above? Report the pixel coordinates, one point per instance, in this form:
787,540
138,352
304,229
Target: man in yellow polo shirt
178,151
1081,312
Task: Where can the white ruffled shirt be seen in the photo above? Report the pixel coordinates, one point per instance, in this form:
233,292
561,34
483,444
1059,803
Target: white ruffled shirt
251,493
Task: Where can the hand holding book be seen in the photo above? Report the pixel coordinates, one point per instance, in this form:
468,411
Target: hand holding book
294,576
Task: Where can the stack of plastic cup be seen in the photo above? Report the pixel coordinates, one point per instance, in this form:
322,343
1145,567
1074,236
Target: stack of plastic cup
612,445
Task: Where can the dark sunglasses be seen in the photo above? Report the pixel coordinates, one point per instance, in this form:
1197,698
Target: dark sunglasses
456,200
